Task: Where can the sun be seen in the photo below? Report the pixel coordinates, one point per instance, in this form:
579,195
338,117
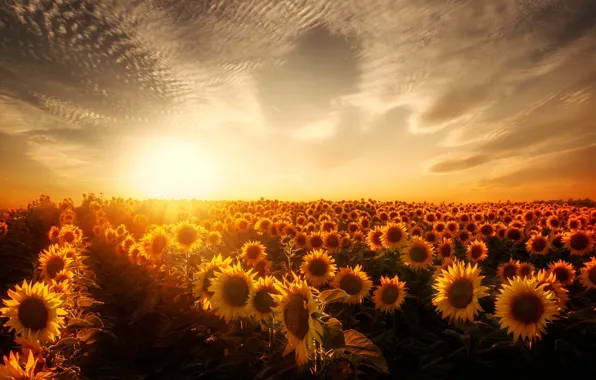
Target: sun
167,168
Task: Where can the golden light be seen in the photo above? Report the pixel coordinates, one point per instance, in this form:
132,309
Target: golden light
169,168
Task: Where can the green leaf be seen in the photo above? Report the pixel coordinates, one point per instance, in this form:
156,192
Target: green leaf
333,335
64,344
77,323
358,344
333,295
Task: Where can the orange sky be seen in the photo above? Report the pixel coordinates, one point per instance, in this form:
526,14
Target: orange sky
449,102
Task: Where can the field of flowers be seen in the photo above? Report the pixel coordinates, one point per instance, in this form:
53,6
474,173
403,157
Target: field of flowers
126,289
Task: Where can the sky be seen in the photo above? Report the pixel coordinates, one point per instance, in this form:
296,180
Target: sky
414,100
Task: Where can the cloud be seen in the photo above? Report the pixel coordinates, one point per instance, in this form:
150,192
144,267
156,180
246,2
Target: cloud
457,164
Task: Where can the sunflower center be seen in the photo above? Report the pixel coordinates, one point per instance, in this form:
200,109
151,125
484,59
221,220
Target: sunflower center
562,274
318,267
579,241
253,252
558,242
477,251
486,230
235,292
509,271
69,237
332,241
33,313
390,294
463,235
394,235
296,316
158,244
418,254
376,237
538,244
554,223
263,301
187,235
460,293
316,241
351,284
592,275
445,250
525,270
573,224
527,308
54,265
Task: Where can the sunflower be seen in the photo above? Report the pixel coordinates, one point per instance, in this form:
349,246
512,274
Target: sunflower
525,270
563,271
446,249
242,225
232,287
29,345
295,311
524,308
544,277
390,294
374,239
587,275
486,230
394,235
578,242
332,241
12,370
253,252
418,254
477,251
213,238
54,233
261,302
156,242
353,281
34,311
318,268
514,234
52,261
301,240
262,267
458,291
538,245
205,276
186,236
315,240
463,236
70,234
508,270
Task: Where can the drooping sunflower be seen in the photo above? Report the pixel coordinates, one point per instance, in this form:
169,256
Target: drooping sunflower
52,261
458,290
353,281
375,238
394,235
508,270
578,242
524,308
296,310
446,248
318,268
538,245
587,275
34,311
418,254
476,251
261,303
390,294
232,287
253,252
563,271
205,276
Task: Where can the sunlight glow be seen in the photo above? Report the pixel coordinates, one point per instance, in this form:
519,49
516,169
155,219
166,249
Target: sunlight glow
171,169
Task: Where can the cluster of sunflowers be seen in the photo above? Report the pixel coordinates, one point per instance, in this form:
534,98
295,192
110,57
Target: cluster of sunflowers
276,262
52,305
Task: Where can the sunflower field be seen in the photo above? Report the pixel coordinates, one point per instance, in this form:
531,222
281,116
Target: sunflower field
128,289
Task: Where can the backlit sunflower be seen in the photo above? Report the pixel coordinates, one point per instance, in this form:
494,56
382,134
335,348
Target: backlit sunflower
418,254
253,252
445,249
332,241
353,281
375,239
262,268
463,236
563,271
34,311
524,308
296,310
186,236
315,240
486,230
525,270
261,303
205,276
156,243
508,270
301,240
587,275
242,225
458,291
52,261
544,277
514,234
538,245
318,268
390,294
578,242
12,370
476,251
70,234
232,287
394,235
